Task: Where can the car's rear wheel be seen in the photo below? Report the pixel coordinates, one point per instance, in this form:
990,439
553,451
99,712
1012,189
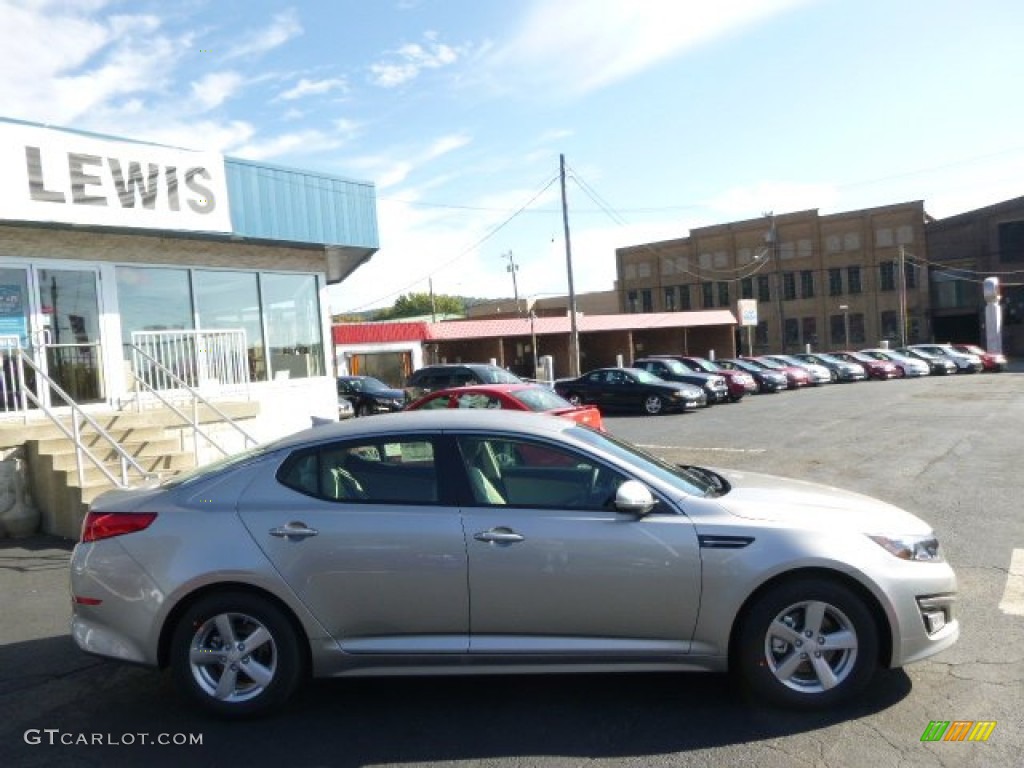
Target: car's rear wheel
653,405
364,409
574,398
236,654
806,644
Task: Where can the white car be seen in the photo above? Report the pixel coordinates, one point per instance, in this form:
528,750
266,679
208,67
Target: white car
819,373
910,366
965,363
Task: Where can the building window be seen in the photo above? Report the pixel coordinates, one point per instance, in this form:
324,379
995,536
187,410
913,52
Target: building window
853,280
723,294
761,333
631,306
232,300
792,331
788,286
905,234
857,328
1011,241
670,299
804,248
883,237
643,269
764,292
647,299
810,330
806,284
707,295
154,299
747,288
294,334
684,298
886,276
890,325
851,241
835,282
910,274
833,244
837,331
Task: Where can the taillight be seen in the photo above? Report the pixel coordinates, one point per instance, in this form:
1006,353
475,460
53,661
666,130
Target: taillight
104,525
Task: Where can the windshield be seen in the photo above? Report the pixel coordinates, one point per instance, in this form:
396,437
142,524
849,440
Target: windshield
770,364
497,375
706,365
678,477
540,399
370,384
828,358
645,377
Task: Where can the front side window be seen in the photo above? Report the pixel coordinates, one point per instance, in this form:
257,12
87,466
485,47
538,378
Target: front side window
518,472
390,471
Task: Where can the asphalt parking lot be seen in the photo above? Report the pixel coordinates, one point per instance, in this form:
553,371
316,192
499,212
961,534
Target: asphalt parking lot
947,449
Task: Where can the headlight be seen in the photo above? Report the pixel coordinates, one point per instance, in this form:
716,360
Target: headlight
924,549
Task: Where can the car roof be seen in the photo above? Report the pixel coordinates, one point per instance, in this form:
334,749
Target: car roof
503,388
429,422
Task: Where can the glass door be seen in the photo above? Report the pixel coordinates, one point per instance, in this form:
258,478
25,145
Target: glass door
14,332
69,332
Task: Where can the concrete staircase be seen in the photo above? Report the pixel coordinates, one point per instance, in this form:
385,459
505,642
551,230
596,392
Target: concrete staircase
156,439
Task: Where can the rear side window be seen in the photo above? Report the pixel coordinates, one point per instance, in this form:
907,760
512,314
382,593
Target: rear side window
383,472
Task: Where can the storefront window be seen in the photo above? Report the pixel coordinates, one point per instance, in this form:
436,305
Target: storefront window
293,325
227,300
153,299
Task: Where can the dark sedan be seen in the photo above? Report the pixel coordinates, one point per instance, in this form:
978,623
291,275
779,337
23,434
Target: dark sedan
939,365
369,395
630,389
767,381
715,386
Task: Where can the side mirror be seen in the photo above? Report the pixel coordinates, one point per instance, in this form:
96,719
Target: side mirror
634,498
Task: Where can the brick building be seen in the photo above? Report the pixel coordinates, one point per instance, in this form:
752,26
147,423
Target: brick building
826,281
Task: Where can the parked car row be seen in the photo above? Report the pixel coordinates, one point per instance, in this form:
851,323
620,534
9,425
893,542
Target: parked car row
661,383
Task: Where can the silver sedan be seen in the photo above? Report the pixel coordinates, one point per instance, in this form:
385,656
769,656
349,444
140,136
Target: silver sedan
446,541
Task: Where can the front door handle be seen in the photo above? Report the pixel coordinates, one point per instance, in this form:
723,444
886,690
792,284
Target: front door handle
499,536
294,530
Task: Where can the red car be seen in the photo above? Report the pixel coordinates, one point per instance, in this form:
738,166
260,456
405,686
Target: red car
511,397
795,377
989,361
740,383
877,369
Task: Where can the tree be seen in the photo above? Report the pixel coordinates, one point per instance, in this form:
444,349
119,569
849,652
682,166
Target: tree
419,304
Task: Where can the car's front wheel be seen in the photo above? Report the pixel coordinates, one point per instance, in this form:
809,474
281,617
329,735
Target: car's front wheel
236,654
364,409
806,644
653,405
574,398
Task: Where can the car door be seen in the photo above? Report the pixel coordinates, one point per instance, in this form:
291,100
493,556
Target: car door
362,533
553,568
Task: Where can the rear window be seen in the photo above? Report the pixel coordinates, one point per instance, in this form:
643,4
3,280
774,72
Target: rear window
540,399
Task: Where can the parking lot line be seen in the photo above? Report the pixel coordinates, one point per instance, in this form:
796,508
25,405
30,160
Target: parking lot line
1013,595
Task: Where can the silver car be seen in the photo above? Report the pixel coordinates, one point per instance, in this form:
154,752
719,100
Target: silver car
446,541
910,366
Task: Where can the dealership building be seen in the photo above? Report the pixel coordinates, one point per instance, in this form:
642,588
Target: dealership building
130,269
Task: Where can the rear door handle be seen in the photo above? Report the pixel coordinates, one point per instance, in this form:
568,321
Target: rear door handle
499,536
294,530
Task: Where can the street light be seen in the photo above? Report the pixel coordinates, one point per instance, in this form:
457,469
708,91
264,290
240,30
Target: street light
846,324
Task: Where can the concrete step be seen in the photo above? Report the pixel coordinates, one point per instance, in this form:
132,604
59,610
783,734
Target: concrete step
177,460
102,450
161,466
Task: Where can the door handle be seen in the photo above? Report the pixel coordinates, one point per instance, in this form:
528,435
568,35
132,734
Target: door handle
499,536
294,530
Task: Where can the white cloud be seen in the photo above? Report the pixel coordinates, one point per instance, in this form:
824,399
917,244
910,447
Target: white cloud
306,87
214,89
407,62
299,142
571,44
282,28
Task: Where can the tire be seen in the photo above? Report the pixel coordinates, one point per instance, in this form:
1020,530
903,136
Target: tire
574,398
774,670
198,657
364,410
653,405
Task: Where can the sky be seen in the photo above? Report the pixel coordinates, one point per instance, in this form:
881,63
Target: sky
670,114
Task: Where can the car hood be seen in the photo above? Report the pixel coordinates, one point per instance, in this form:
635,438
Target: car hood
768,498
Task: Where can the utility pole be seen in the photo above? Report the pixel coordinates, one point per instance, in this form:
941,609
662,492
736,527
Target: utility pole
901,265
433,306
574,333
513,268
